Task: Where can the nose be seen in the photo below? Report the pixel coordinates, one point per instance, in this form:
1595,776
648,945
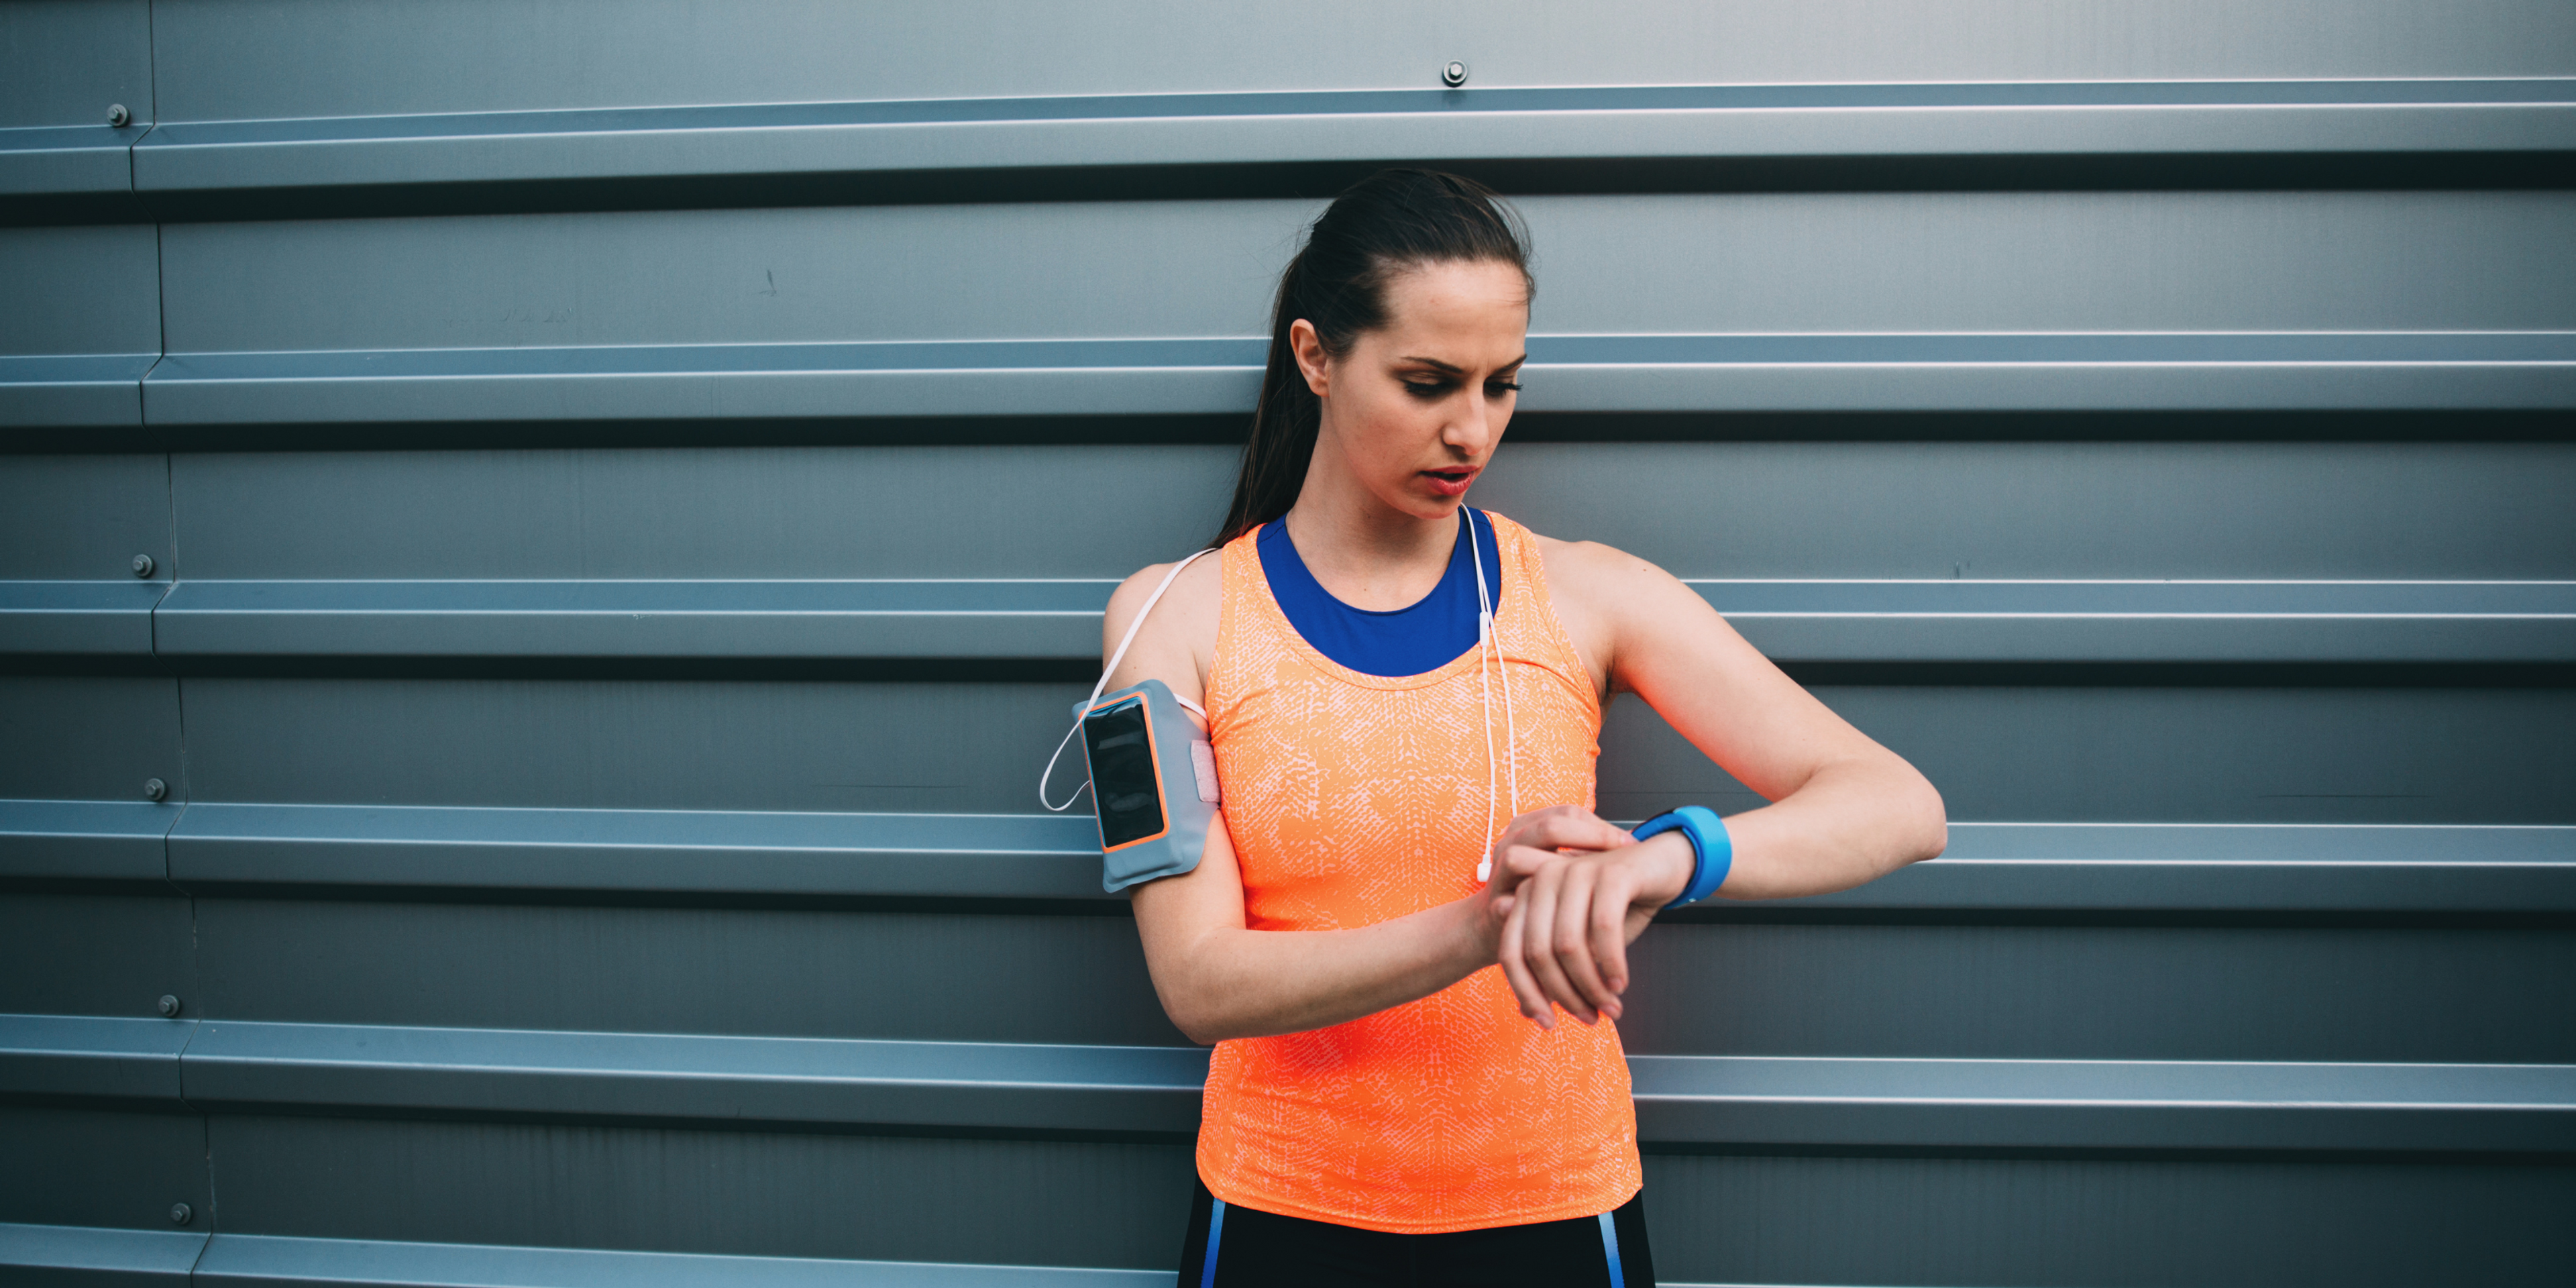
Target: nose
1473,429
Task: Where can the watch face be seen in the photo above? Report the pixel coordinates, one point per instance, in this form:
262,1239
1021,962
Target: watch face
1125,782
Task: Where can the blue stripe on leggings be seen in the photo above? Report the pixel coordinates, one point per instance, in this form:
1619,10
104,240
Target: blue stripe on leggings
1216,1227
1609,1248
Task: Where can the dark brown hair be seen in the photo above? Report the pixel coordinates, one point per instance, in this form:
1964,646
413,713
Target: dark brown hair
1392,221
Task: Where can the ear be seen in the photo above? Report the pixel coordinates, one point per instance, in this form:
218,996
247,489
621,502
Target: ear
1311,358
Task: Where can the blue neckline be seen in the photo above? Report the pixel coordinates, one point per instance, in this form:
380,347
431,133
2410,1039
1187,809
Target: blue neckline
1420,637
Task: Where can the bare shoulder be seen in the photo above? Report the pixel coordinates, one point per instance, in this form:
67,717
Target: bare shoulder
1590,573
1178,636
1598,592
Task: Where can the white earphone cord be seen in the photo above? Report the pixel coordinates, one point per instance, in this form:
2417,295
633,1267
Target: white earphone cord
1511,736
1116,656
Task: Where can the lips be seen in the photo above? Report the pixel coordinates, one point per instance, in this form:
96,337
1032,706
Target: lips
1450,482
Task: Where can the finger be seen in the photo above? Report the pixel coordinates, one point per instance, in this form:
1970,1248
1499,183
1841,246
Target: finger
1525,990
1609,930
1538,943
1570,827
1526,862
1570,941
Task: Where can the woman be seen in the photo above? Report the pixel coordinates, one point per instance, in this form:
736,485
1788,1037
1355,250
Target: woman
1381,1107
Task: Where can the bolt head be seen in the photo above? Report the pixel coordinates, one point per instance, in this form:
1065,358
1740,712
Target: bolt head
154,789
169,1005
1454,75
181,1214
117,115
143,565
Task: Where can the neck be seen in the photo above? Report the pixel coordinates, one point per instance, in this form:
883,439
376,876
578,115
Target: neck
1364,552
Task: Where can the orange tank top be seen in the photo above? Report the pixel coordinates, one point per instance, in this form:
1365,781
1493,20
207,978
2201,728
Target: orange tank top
1353,799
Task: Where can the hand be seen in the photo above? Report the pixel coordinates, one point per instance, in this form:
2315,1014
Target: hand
1538,834
1571,917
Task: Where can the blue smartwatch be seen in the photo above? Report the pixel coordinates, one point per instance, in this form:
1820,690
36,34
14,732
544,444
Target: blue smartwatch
1712,853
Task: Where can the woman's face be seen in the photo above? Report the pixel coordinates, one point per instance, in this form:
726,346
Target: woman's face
1414,410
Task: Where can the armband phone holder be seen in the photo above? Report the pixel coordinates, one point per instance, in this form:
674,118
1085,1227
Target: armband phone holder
1153,783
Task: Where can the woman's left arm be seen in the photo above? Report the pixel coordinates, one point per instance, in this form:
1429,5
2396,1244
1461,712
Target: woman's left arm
1843,810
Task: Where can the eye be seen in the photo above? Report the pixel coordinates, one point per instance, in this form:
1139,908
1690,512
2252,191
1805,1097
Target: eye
1497,388
1427,390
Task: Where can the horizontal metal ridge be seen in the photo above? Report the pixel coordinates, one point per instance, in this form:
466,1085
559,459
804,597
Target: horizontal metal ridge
2250,371
279,1261
1680,1099
1915,621
85,840
2077,1104
89,1055
87,617
671,1076
73,390
67,160
114,1255
1028,856
2070,866
864,139
798,619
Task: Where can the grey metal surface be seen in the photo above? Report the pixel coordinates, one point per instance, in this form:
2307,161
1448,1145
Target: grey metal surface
1107,1204
89,737
84,518
83,953
594,840
2063,1104
2047,264
84,840
2181,754
998,1087
47,1256
114,1168
63,1055
82,326
1958,373
67,61
871,148
2053,511
953,974
78,616
1930,1220
383,56
271,1260
2128,989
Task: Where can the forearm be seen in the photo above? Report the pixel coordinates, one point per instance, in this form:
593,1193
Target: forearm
1851,823
1229,982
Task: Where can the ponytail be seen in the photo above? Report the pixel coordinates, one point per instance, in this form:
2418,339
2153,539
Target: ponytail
1392,221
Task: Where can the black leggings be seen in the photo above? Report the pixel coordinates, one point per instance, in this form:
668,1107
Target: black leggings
1249,1249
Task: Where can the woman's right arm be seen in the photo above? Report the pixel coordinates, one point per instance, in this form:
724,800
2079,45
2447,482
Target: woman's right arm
1217,978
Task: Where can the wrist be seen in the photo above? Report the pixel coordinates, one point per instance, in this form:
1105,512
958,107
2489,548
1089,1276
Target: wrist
1712,851
1665,861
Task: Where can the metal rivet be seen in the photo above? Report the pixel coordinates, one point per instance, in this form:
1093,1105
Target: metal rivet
154,789
181,1214
170,1007
1454,75
117,115
143,565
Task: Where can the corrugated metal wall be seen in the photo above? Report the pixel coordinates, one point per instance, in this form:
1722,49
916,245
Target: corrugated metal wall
622,491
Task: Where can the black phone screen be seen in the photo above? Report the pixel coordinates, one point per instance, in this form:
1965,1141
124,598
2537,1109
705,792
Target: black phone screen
1124,783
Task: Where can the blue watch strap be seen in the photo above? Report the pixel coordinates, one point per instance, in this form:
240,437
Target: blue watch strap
1712,851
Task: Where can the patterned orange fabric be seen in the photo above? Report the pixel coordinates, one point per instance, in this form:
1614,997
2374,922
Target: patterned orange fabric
1353,799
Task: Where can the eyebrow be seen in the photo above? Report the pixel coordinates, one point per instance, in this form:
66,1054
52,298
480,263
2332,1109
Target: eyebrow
1459,371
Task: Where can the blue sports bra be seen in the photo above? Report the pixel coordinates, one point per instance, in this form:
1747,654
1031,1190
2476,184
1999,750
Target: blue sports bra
1421,636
